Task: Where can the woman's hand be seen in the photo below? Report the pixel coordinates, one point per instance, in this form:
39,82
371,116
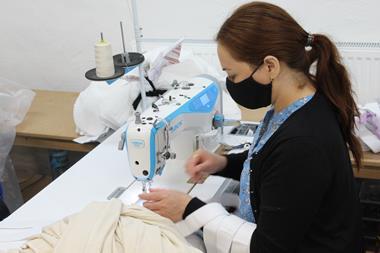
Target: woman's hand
168,203
203,163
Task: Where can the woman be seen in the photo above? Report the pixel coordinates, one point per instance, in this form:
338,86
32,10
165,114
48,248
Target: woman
297,187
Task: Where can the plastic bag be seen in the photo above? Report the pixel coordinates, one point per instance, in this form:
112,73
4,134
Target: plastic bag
14,104
368,126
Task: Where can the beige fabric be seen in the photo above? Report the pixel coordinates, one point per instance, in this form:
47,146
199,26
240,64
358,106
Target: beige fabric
109,227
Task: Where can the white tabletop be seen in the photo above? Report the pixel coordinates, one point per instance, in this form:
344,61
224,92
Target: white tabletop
93,178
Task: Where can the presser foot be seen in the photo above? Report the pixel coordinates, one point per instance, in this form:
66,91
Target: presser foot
146,185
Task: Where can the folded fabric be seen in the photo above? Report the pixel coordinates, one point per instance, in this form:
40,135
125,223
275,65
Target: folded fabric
368,126
109,227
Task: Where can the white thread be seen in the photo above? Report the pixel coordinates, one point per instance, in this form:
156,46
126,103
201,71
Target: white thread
104,59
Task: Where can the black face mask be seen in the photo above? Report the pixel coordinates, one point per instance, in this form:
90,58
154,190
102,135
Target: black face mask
250,93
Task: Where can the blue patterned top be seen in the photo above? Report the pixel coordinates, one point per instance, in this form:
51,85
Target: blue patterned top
268,126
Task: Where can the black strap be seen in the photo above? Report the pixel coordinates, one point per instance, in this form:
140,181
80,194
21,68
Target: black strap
151,83
153,93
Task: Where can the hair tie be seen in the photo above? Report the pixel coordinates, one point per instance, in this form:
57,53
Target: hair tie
310,40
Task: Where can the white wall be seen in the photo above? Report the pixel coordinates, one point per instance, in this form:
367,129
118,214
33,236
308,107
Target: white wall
344,20
48,44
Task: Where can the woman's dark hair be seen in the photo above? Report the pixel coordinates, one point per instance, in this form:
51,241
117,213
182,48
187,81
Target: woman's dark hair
257,29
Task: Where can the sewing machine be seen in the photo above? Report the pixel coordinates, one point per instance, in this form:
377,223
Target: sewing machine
171,125
183,119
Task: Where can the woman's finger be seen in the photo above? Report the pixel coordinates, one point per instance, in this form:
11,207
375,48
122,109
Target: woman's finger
153,206
203,179
201,167
196,178
193,172
157,190
193,161
199,178
151,196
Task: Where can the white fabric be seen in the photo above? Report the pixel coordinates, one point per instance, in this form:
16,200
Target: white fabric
226,232
222,232
109,227
242,239
196,240
210,234
200,217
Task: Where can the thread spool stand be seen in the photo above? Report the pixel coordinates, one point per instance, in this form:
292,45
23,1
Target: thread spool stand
121,63
135,59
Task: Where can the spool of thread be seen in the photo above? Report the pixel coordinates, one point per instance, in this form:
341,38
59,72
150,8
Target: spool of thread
104,59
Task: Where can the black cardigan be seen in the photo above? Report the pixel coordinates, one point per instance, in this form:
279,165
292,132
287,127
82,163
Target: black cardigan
303,192
4,212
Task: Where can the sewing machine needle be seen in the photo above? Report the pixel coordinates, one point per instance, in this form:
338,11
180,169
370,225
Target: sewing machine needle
146,186
143,186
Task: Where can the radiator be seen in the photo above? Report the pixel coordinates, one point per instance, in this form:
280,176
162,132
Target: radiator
361,59
363,63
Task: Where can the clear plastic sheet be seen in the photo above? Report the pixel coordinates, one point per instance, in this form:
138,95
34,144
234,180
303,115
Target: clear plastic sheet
14,104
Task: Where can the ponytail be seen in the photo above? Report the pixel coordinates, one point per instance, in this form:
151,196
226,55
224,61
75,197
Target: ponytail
257,29
333,81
